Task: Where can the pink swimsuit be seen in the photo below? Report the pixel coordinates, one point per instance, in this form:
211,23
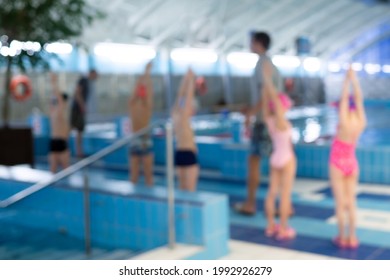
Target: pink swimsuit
282,150
342,156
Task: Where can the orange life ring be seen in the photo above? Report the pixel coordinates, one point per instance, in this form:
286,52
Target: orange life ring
17,94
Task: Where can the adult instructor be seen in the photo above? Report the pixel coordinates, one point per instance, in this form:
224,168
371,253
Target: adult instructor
260,144
84,90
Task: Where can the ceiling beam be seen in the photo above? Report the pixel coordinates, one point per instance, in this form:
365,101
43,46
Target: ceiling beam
261,20
286,36
349,26
348,37
136,20
169,32
369,44
243,12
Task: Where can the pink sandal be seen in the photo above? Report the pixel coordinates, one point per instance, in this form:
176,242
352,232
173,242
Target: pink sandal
287,234
271,232
342,244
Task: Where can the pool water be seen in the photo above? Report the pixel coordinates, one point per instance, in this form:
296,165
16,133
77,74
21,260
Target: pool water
311,125
315,124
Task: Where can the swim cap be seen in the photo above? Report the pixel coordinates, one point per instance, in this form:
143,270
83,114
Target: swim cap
141,91
351,103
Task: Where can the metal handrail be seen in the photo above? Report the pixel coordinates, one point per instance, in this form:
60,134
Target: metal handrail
76,167
171,186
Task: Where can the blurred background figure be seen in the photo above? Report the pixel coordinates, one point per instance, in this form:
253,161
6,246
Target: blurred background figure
59,124
84,90
140,113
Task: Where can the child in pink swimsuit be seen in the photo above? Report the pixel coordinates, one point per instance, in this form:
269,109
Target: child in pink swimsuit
342,156
343,165
282,150
282,162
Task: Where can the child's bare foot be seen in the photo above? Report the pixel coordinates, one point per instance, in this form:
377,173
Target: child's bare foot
340,242
353,242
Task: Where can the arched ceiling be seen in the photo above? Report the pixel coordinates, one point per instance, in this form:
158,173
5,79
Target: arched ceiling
224,24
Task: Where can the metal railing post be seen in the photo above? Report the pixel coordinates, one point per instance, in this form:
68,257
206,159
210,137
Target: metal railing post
87,214
170,185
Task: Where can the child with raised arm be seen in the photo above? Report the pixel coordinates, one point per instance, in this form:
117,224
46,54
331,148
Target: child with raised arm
283,161
186,151
59,154
343,165
140,111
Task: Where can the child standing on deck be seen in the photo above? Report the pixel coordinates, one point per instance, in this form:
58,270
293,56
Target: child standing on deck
343,165
283,161
186,159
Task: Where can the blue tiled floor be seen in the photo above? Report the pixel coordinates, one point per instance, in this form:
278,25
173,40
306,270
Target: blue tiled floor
306,211
308,244
378,197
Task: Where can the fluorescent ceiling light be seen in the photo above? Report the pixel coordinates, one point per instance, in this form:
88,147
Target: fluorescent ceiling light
312,64
372,68
357,66
194,55
243,59
286,61
120,52
386,68
334,67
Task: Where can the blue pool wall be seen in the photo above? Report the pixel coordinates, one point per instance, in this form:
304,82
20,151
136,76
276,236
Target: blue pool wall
230,158
136,221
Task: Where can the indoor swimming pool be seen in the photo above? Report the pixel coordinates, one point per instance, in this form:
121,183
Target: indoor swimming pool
157,133
121,214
